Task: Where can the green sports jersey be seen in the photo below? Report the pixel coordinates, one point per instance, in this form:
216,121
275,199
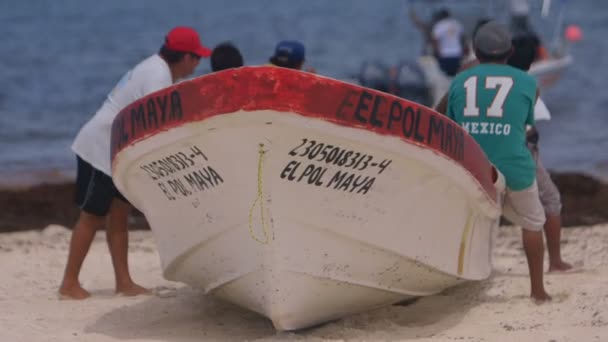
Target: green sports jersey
494,103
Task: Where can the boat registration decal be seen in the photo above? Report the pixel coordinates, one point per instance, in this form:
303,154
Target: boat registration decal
182,173
312,159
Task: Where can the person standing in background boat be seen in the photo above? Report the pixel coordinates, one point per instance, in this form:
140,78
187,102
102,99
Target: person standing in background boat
426,28
100,203
225,56
290,54
521,27
519,11
449,42
494,102
524,54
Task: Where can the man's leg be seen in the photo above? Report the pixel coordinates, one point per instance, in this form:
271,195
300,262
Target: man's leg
93,201
534,248
524,209
551,201
118,243
82,237
553,229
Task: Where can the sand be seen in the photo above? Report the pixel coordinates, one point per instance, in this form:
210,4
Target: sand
497,309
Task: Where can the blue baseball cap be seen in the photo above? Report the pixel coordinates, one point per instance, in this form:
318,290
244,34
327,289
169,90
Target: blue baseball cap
288,53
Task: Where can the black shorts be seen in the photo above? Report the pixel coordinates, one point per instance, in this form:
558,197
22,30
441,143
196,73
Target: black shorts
94,189
449,65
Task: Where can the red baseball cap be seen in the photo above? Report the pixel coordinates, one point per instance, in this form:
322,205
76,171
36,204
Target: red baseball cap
186,39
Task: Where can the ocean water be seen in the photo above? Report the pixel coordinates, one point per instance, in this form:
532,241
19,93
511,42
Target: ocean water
59,59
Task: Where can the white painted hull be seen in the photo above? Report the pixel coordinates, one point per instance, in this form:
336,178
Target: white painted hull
283,234
549,71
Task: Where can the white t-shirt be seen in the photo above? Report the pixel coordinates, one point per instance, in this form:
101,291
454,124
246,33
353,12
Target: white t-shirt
448,33
92,143
519,7
541,112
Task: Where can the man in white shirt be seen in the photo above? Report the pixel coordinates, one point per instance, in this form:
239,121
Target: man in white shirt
448,42
96,194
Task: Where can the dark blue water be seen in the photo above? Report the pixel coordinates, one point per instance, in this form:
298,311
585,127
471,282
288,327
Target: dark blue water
58,60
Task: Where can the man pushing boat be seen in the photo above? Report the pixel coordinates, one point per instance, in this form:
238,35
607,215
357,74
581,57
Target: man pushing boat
101,204
492,94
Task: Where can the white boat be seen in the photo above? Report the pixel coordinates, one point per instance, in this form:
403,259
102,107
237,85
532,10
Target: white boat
548,71
304,198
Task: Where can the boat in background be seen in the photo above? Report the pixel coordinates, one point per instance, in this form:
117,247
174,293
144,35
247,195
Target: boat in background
548,71
305,198
421,80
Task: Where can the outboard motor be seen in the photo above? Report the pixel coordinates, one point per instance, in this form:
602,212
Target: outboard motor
411,84
375,75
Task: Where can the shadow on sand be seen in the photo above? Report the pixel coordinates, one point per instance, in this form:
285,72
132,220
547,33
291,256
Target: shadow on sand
185,314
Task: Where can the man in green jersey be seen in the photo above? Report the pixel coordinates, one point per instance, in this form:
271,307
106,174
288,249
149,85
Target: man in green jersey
494,102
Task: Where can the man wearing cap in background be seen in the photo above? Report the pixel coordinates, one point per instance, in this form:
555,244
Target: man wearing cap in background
225,56
494,102
100,203
289,54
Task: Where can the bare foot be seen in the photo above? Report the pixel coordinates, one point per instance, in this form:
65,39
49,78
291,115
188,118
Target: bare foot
132,290
540,297
560,266
75,291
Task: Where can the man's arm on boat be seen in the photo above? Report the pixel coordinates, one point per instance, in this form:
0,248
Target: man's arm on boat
442,106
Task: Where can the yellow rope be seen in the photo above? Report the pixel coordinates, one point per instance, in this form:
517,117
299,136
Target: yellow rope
259,198
463,242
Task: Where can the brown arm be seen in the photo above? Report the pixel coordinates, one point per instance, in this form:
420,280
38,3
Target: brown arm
465,45
419,23
442,106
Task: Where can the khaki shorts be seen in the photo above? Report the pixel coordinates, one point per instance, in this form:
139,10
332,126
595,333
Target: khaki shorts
523,208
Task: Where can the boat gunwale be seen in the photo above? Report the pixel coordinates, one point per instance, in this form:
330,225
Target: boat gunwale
253,89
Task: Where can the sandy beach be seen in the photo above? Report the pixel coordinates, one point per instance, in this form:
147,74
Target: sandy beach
497,309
